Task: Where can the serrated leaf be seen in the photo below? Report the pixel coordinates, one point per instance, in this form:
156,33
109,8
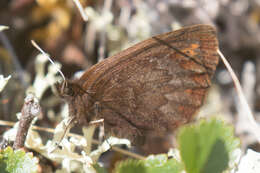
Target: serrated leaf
153,164
218,158
206,147
17,161
161,163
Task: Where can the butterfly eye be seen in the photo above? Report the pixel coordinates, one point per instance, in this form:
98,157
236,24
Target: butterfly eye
68,91
63,89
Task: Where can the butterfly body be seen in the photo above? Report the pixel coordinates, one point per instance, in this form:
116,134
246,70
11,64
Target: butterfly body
153,86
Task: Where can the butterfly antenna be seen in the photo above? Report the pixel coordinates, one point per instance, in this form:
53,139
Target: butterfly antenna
44,53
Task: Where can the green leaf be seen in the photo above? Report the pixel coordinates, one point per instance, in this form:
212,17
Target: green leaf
218,158
161,163
153,164
17,161
130,166
207,146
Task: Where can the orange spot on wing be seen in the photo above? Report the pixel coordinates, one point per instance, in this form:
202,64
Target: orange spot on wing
190,51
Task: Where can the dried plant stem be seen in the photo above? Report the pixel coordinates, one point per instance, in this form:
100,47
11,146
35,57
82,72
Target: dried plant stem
30,110
255,128
50,130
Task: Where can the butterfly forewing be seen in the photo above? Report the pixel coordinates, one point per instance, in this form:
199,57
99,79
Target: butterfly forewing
155,85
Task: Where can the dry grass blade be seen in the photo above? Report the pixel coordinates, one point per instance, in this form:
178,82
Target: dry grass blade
254,128
48,57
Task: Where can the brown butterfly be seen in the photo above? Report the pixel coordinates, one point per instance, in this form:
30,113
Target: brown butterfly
154,86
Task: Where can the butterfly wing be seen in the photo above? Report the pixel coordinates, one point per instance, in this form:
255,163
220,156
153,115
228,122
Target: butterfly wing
155,85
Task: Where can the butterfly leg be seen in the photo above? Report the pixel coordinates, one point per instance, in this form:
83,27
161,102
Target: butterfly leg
99,122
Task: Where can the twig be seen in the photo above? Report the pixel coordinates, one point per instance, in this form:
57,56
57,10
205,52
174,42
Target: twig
241,96
31,109
50,130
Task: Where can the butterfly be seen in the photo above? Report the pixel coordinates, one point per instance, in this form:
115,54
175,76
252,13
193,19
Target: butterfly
152,87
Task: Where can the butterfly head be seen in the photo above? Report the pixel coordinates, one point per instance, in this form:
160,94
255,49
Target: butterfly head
68,89
76,97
